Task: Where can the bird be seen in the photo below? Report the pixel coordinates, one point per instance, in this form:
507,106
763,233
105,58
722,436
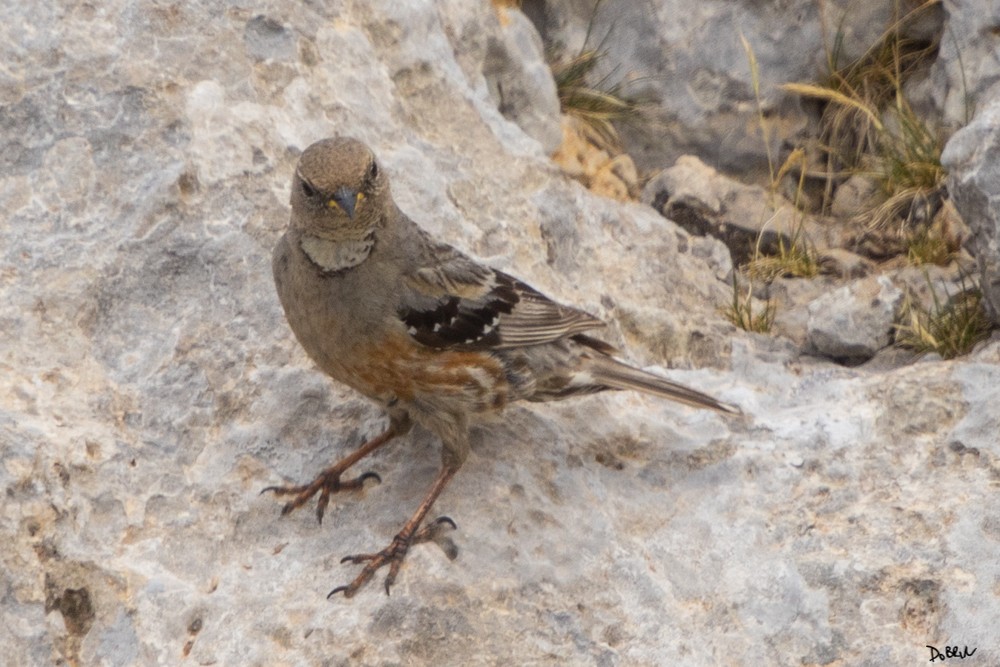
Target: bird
431,335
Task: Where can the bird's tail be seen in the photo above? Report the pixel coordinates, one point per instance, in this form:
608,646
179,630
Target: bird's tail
616,375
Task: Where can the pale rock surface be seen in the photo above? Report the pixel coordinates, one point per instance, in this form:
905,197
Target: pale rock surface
688,62
520,81
966,74
858,194
853,322
844,263
747,218
972,157
150,388
790,299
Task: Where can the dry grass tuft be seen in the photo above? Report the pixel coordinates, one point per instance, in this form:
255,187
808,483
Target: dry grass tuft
951,328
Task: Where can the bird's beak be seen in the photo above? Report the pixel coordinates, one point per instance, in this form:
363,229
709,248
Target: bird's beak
346,200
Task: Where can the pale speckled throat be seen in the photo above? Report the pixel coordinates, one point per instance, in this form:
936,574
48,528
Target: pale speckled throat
336,255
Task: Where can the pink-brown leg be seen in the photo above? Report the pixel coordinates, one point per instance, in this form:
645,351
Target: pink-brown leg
394,554
329,481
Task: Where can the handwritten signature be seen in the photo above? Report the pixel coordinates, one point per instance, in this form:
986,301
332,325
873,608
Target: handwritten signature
950,652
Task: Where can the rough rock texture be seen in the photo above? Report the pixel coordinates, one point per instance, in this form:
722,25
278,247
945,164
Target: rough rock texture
856,195
853,322
520,81
688,61
747,218
150,388
967,72
972,158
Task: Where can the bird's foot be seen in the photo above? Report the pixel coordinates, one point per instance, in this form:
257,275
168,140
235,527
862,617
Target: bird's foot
394,554
326,482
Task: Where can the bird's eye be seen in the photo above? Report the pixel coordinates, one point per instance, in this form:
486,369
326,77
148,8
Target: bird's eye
373,171
308,189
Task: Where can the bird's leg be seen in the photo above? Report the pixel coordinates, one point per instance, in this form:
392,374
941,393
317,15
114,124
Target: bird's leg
329,481
394,554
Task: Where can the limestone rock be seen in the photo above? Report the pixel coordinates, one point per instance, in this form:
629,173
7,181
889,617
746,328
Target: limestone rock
966,74
972,157
747,218
854,322
151,388
520,80
844,263
856,195
791,299
688,62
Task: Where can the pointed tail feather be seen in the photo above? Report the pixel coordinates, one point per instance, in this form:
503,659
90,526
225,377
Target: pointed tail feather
616,375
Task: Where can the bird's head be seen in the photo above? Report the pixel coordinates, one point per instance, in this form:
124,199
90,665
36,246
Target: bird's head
339,190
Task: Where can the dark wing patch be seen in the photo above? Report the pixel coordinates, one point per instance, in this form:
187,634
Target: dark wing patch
485,308
454,321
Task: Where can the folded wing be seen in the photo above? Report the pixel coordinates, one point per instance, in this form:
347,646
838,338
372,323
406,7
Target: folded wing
455,302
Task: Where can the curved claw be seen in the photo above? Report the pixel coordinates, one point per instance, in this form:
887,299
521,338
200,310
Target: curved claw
369,475
445,519
435,532
338,589
358,558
